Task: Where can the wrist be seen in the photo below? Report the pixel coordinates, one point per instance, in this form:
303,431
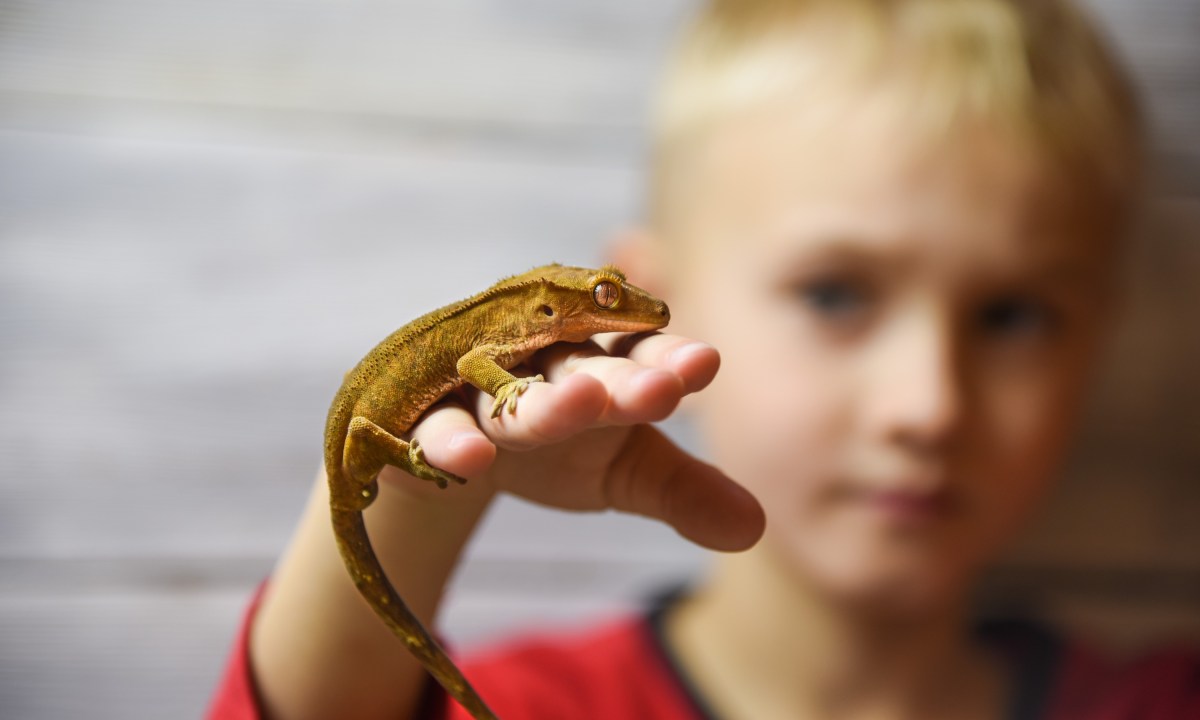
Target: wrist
316,646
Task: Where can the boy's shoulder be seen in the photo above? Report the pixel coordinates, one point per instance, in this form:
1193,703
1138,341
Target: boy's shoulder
622,668
1159,684
1057,677
615,668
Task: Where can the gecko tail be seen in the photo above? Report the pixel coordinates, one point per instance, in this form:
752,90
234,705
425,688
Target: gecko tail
373,584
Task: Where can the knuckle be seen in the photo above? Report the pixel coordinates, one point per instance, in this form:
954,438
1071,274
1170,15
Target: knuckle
625,345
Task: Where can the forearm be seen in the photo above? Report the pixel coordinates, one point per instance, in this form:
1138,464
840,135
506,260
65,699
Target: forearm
317,649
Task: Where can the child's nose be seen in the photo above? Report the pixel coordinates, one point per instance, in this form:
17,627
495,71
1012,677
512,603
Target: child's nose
918,385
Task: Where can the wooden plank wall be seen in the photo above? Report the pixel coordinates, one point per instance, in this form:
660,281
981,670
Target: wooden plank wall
208,210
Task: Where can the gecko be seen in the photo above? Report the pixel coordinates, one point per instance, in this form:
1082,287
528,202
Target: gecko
475,341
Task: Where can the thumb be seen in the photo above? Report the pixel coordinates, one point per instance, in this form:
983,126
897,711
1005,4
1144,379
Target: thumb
652,476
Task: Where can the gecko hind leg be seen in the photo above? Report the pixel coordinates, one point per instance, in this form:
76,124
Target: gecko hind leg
370,447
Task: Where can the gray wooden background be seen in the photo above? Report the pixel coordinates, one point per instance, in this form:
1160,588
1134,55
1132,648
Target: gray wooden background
209,210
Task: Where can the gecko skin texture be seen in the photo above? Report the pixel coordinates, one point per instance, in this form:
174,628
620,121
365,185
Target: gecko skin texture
475,341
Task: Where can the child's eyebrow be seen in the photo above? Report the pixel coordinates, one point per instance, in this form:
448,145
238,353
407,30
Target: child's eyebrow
1066,274
823,247
819,248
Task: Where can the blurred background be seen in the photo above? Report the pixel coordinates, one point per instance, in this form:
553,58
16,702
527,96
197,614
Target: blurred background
210,210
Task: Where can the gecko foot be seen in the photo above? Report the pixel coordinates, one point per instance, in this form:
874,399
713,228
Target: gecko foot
506,397
422,469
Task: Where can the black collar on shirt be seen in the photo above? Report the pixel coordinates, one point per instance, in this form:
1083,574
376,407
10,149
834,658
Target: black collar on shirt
1031,652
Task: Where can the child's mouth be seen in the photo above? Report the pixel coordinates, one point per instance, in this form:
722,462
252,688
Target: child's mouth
907,506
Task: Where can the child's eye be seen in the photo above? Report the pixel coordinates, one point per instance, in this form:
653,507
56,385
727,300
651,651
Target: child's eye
1016,316
836,299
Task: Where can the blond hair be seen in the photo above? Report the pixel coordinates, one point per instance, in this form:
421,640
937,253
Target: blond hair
1036,70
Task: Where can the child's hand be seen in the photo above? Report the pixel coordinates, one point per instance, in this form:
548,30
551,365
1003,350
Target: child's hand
580,441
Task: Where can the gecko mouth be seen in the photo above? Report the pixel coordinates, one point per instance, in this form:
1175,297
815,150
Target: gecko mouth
621,325
607,325
650,319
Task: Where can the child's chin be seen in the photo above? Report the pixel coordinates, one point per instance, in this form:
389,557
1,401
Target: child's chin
899,587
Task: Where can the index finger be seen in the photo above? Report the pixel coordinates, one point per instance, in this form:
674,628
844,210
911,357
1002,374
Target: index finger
694,361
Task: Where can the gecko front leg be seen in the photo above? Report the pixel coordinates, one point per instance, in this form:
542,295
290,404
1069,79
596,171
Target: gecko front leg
506,396
479,367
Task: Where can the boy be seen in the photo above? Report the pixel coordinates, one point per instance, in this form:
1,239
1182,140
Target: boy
898,222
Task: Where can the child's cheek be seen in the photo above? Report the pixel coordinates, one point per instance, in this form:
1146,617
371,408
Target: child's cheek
1027,426
761,416
773,426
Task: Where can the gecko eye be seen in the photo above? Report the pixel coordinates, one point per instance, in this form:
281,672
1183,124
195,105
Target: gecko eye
606,294
547,311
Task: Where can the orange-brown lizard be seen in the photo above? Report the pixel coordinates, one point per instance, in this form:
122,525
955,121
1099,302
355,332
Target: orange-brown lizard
475,341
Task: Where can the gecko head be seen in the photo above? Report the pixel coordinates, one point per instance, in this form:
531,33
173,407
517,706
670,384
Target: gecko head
575,303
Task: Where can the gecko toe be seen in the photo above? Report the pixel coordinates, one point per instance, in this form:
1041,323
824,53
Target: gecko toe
421,468
508,395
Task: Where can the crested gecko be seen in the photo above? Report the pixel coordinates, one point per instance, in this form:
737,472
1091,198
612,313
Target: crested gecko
474,341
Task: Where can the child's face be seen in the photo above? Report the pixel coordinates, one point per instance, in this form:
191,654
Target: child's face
904,337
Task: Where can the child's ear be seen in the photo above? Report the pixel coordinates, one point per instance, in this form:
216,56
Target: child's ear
640,255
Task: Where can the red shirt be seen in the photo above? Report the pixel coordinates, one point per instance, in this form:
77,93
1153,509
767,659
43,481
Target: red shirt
623,670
